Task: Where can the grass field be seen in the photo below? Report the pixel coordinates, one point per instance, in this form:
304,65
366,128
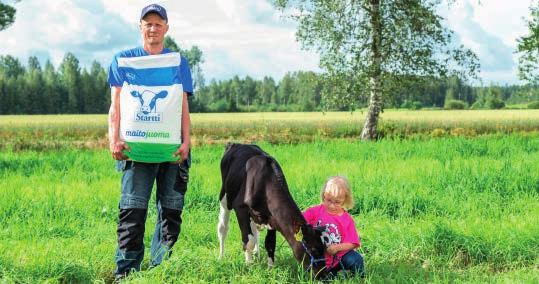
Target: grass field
459,208
56,132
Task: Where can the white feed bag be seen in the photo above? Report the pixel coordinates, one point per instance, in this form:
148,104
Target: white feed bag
150,107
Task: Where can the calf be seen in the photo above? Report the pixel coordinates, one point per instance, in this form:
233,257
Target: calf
253,184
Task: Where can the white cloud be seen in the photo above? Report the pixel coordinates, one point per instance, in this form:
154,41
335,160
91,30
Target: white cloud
236,36
494,54
490,28
54,28
504,18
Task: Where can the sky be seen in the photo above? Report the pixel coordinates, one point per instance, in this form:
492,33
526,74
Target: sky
237,37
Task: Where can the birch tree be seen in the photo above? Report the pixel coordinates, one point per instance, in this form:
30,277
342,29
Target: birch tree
528,49
366,45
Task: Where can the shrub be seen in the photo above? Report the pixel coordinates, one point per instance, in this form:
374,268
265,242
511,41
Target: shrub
406,104
477,105
417,105
412,105
454,104
533,105
272,107
495,103
293,107
437,132
218,106
465,132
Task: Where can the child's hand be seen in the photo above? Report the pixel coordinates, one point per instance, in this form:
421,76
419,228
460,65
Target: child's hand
333,249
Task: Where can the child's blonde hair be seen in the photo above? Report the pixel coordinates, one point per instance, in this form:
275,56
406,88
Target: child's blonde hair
337,186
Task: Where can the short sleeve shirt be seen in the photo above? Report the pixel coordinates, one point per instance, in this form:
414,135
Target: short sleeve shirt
337,229
116,77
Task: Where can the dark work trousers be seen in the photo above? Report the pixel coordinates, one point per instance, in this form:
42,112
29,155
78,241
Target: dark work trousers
137,182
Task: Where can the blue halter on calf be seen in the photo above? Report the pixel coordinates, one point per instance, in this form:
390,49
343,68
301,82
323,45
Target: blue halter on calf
312,260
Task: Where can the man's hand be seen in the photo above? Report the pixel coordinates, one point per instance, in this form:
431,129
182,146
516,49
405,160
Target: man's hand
182,152
116,149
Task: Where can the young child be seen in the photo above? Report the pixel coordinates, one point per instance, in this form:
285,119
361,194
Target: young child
340,235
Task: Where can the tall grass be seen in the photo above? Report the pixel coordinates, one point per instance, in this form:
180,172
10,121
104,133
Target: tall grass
56,132
452,209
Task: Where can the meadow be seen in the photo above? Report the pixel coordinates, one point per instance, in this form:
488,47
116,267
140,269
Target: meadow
458,206
56,132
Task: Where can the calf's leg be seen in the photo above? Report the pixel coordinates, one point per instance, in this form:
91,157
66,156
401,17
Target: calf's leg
256,235
269,244
247,236
222,226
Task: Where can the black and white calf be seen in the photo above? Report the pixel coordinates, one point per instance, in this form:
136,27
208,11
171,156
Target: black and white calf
255,187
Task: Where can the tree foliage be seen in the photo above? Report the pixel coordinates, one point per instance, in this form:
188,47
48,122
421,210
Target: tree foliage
32,89
364,45
11,66
194,57
36,90
528,49
71,79
7,15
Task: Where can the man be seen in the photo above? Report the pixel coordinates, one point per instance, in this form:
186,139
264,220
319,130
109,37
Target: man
138,178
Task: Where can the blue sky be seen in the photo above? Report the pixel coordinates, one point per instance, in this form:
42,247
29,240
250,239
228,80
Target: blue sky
237,37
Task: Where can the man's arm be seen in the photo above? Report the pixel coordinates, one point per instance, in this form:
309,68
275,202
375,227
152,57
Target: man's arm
183,151
116,144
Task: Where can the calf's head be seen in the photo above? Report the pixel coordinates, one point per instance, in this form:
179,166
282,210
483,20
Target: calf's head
314,258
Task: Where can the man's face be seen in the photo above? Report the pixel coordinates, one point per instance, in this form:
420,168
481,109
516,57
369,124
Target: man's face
153,29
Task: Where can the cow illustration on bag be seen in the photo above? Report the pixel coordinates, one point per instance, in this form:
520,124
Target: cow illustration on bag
148,105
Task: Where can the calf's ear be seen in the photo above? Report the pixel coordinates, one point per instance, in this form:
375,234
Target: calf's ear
319,229
310,230
228,146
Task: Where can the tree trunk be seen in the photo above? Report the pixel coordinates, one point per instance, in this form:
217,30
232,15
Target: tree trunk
375,101
371,121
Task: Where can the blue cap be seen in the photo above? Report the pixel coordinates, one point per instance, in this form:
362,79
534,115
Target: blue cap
154,8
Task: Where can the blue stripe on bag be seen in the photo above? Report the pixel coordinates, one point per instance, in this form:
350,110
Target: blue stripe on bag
164,76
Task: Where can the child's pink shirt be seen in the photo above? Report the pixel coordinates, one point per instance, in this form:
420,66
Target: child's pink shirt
337,229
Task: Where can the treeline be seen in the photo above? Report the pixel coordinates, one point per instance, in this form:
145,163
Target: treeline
303,91
298,91
33,89
452,93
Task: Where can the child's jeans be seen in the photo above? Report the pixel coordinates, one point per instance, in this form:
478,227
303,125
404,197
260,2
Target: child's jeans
351,261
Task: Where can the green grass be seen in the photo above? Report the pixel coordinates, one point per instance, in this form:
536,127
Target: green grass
453,209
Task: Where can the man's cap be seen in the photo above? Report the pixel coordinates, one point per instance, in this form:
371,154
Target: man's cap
154,8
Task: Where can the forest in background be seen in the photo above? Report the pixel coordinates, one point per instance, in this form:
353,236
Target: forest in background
32,89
